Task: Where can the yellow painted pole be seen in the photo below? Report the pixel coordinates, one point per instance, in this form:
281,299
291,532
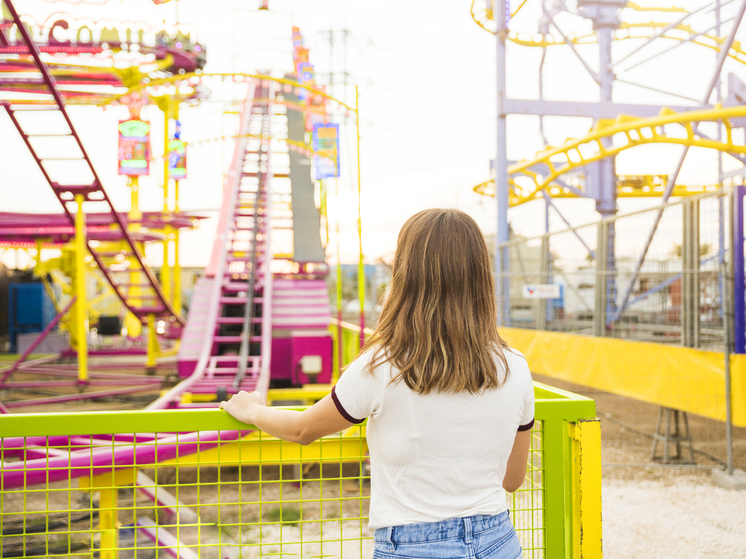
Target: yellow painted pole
586,489
166,268
166,118
339,284
177,273
361,267
152,345
108,517
177,265
324,211
135,214
133,324
80,291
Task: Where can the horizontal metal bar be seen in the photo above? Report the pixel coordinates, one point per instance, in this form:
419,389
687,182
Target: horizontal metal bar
542,107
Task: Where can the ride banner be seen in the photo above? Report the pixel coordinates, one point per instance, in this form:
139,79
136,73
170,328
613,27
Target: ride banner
326,146
134,147
177,159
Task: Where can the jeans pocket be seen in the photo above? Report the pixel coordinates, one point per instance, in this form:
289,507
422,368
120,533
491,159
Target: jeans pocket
500,542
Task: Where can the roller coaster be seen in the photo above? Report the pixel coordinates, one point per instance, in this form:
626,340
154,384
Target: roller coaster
236,317
242,311
645,295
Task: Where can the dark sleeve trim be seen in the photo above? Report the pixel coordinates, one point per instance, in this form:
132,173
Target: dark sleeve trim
524,427
342,410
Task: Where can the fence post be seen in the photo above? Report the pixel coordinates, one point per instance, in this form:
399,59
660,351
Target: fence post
599,314
739,302
696,288
586,489
689,264
555,486
541,320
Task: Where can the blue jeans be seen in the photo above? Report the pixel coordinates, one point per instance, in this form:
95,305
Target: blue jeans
479,537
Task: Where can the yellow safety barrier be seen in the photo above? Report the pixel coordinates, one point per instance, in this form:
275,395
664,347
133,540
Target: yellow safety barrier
686,379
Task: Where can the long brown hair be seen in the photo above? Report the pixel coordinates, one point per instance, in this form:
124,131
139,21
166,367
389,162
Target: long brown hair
438,326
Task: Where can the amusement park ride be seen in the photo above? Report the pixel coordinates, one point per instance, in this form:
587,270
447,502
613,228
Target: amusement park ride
676,276
248,303
585,167
257,320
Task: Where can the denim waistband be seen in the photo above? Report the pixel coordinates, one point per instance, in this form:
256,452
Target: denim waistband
445,529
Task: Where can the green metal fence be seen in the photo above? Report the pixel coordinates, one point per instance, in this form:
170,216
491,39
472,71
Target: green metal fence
197,483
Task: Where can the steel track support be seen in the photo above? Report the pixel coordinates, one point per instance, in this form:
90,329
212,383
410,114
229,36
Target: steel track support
690,278
133,323
361,265
153,349
166,267
542,305
81,303
599,311
502,261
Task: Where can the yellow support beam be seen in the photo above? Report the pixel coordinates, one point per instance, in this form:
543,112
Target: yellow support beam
177,268
309,393
167,107
153,348
131,322
108,507
81,310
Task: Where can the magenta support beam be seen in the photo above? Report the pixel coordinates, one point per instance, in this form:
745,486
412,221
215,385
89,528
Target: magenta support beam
93,461
38,340
96,375
73,397
73,383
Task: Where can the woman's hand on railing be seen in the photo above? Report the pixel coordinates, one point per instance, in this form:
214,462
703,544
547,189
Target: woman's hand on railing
244,406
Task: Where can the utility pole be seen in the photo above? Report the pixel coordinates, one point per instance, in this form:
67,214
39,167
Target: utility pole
334,37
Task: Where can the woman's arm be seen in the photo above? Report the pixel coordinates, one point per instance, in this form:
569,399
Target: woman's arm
299,427
516,471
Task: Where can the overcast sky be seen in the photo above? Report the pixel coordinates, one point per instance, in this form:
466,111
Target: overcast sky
426,74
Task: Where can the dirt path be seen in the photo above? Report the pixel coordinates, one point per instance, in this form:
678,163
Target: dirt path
685,516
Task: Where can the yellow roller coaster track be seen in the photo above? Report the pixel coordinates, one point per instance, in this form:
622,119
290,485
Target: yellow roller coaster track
640,30
625,132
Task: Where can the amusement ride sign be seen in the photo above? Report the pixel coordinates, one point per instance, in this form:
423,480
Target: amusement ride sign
326,146
134,147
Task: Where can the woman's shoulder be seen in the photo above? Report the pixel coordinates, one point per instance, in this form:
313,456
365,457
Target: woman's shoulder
515,356
517,364
369,361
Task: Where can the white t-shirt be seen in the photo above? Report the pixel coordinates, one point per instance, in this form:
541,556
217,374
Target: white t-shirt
435,456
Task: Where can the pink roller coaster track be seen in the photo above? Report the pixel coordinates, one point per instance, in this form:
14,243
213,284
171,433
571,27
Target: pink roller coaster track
236,329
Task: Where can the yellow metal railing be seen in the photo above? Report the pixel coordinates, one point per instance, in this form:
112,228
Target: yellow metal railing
198,483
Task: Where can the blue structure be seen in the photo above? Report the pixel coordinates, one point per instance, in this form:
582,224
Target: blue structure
29,310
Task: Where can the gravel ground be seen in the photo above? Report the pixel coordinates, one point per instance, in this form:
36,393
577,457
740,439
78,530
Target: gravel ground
683,515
